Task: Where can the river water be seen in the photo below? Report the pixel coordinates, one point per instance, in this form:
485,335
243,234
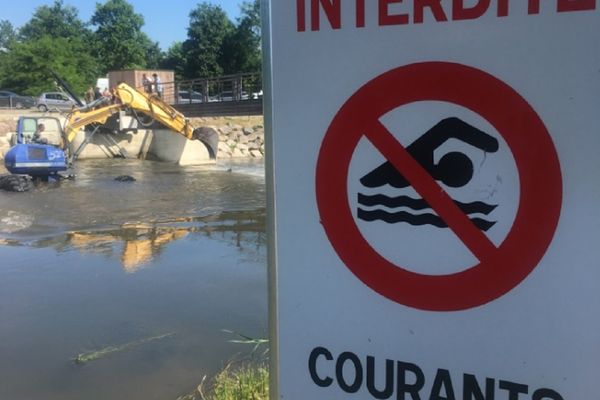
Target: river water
93,262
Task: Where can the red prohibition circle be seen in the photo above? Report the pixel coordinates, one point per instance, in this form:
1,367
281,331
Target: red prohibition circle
499,269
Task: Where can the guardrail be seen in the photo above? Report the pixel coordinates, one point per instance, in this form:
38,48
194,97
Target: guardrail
228,95
238,87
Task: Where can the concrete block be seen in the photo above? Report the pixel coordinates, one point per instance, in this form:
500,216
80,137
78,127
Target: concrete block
173,147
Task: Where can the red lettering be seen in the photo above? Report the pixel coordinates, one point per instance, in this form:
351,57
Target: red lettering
564,5
332,10
533,7
434,5
575,5
360,13
502,8
386,19
301,15
459,12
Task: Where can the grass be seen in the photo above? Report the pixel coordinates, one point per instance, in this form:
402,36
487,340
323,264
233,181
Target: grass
235,382
246,379
248,382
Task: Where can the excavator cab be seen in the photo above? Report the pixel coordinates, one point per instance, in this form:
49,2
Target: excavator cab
39,156
27,126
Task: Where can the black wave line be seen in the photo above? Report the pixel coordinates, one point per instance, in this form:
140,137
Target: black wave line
421,204
417,220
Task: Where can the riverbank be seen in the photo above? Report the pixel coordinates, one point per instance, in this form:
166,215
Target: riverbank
239,137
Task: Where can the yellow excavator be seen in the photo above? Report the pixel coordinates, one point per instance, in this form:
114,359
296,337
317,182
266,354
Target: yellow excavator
137,102
42,159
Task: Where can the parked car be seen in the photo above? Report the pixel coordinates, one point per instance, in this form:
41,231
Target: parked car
54,101
227,95
13,100
184,97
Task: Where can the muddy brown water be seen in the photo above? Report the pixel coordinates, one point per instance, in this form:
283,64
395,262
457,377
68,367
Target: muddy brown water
93,262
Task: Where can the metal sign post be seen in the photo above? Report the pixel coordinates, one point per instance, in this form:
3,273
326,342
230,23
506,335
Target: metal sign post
433,198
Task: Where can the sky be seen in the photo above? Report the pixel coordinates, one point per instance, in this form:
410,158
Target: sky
166,21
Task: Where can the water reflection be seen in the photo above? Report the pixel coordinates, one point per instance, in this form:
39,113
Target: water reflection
137,244
194,238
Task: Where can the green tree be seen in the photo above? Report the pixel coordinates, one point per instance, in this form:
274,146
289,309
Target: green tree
57,21
119,40
7,35
208,29
26,67
53,39
242,49
153,54
175,60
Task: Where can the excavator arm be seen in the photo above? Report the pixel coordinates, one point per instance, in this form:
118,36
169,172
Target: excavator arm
155,108
127,97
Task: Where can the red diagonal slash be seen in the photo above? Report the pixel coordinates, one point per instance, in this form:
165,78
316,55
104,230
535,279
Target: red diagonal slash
499,269
477,242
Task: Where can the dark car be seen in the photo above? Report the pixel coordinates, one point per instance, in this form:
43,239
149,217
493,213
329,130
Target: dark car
13,100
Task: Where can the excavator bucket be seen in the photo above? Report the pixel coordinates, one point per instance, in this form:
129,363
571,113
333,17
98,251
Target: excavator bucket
209,137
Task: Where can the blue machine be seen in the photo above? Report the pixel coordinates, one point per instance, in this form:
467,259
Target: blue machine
39,160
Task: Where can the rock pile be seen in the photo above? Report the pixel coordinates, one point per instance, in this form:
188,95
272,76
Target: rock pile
238,141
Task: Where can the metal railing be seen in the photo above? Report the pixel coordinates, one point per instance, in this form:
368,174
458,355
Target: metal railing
238,87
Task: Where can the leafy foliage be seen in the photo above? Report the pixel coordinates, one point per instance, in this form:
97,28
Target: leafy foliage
209,27
175,60
242,50
26,68
7,35
55,38
58,21
119,40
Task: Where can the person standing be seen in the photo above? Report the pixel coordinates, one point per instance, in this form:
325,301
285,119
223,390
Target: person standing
97,93
158,88
89,95
147,83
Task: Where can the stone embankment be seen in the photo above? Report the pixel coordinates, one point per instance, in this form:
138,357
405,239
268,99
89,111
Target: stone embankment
238,136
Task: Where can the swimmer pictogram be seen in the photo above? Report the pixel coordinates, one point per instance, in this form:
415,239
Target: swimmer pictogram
499,267
454,169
